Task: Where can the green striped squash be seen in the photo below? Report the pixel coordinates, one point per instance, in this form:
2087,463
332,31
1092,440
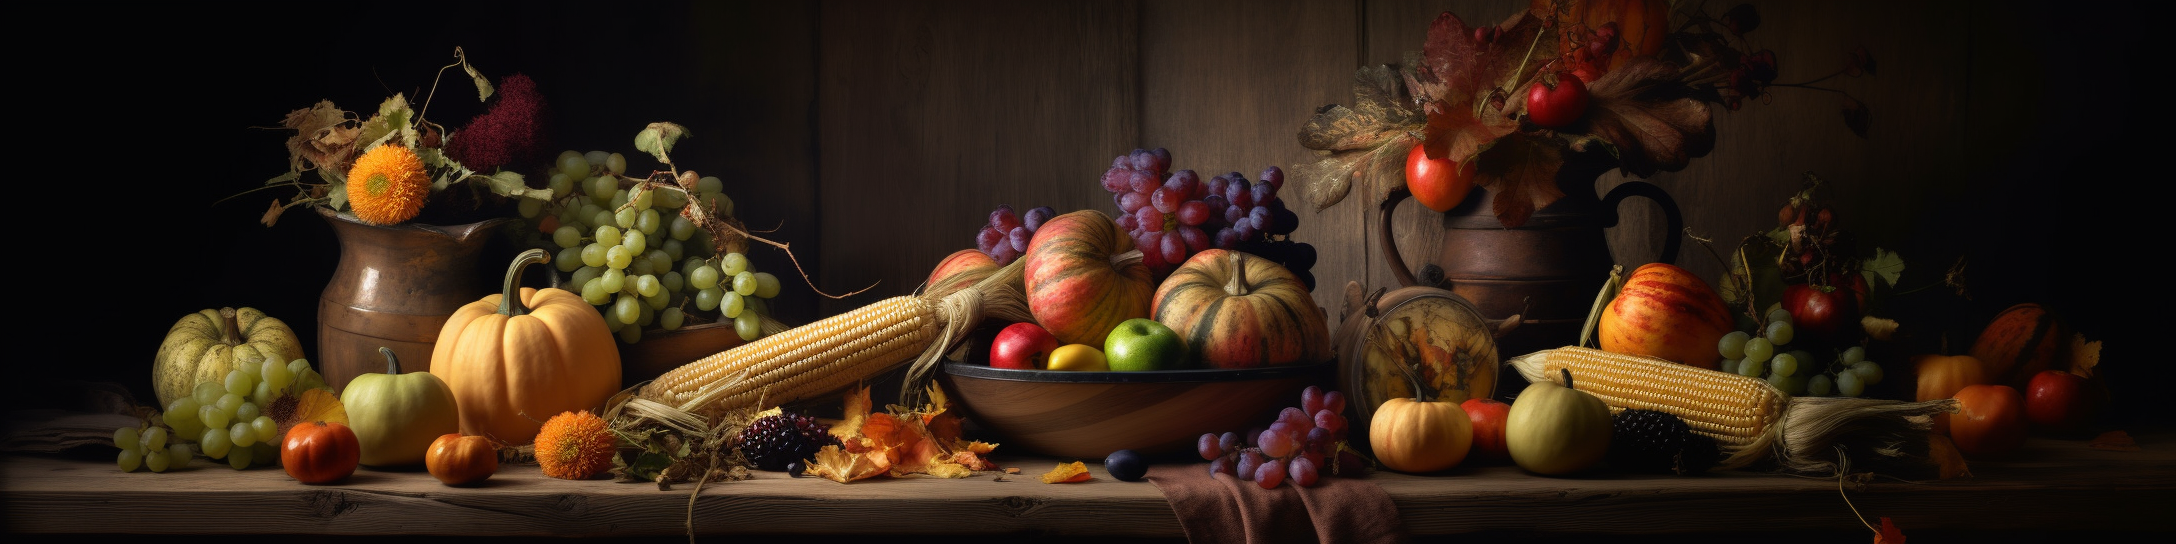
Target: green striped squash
1237,310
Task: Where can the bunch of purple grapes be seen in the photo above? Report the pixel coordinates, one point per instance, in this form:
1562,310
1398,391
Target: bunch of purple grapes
1173,215
1005,238
1303,444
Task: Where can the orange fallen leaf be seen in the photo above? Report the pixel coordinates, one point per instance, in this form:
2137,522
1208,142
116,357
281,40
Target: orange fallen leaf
312,405
2114,441
1889,534
835,464
1947,459
1012,470
1067,473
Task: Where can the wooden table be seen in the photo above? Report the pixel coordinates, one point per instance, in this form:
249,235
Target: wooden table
2050,486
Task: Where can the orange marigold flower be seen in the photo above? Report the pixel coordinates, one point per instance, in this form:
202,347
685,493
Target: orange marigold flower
388,185
574,446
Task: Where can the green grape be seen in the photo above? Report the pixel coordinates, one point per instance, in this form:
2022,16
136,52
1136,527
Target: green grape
594,254
242,434
215,443
238,383
1867,371
1820,385
1852,355
721,204
593,292
276,374
211,417
649,221
703,277
659,301
240,458
603,217
631,335
672,199
1848,384
152,438
1758,349
757,305
744,283
254,367
619,200
265,427
1789,385
248,411
1752,368
187,428
732,305
1728,365
573,163
230,403
672,281
766,285
709,184
587,213
635,242
643,198
262,395
177,456
127,438
183,410
613,281
130,460
615,163
208,392
1732,346
612,321
625,217
617,258
645,315
659,260
600,189
566,236
680,228
748,325
628,309
560,184
733,264
569,259
641,267
607,236
1783,364
707,299
671,318
529,208
672,249
582,275
597,158
647,285
1779,332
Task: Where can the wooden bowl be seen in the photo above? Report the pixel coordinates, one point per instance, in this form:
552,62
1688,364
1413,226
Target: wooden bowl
660,350
1088,415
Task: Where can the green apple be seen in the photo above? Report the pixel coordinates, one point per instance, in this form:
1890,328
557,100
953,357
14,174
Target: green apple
1143,344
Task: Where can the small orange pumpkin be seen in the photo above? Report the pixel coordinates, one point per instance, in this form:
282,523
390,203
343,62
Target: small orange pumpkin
519,356
461,460
1942,376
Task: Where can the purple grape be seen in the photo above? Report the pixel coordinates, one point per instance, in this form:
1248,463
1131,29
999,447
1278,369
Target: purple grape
1270,473
1229,441
1298,419
1149,218
1036,217
1143,182
1233,215
1246,231
1282,221
1194,212
1303,472
1142,160
1260,217
1163,158
1115,179
1350,463
1302,257
1151,242
1126,222
1166,200
1274,176
1334,401
1132,202
1311,398
1186,183
1226,238
1019,238
1263,194
1319,439
1123,161
1174,249
1196,242
1005,254
986,240
1250,459
1003,218
1240,194
1331,421
1216,186
1209,447
1223,465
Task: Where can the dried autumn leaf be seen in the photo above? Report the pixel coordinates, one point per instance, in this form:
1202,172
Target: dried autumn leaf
1464,86
2084,356
1381,110
1066,473
949,470
2114,441
324,139
312,405
1523,171
838,465
1889,533
1652,119
1949,462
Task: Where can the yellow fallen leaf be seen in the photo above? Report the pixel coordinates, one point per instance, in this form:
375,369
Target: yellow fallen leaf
1067,473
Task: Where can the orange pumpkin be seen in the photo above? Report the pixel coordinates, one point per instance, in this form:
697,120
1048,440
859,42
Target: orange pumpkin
1942,376
461,460
516,357
2021,341
1235,310
1078,284
960,270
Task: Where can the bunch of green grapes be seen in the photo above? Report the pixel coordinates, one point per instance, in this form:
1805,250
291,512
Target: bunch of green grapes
1769,354
146,446
628,249
224,419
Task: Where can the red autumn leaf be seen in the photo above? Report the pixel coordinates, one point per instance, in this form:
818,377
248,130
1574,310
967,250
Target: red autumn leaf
1645,110
1466,87
1523,170
1890,533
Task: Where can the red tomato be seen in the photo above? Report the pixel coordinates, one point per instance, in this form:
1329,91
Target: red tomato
1488,417
1558,106
319,452
1990,420
461,460
1827,314
1439,184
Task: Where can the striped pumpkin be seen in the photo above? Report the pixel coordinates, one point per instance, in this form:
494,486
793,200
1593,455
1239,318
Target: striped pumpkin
2020,342
1236,310
1078,286
960,270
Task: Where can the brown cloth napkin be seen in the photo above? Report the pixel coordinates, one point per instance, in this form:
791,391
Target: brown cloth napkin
1218,509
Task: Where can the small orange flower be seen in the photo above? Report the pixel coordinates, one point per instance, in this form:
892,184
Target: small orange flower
574,446
388,185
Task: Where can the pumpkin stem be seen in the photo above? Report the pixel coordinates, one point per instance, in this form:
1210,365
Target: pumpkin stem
1420,392
510,303
392,363
1237,285
230,327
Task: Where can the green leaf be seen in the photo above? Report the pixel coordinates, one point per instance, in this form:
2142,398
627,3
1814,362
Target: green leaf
483,84
512,184
1885,266
337,197
658,138
291,175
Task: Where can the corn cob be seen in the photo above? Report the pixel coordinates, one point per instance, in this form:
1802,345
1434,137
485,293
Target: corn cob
799,363
1742,414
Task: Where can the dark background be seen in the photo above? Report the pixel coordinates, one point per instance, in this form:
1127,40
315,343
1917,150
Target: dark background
875,136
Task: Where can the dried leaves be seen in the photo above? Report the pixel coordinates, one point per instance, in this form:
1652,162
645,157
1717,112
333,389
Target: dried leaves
310,405
1067,473
899,442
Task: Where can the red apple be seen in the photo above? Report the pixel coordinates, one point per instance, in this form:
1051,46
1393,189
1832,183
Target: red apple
1990,420
2058,402
1024,346
1824,313
1439,184
1559,105
1488,427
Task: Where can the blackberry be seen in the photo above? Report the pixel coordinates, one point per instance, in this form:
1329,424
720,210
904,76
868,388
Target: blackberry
775,441
1658,442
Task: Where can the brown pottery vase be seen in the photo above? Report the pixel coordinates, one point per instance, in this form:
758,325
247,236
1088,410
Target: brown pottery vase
394,287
